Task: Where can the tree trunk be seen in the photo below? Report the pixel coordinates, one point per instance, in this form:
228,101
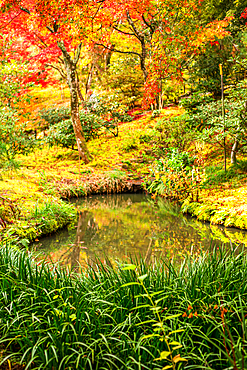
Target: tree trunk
89,79
78,88
70,65
234,151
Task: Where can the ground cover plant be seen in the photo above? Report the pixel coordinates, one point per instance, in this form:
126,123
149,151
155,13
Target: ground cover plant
103,318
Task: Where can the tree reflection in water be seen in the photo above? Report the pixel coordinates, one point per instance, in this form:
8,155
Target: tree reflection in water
119,226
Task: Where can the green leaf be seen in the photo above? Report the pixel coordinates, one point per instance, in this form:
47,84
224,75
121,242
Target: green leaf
177,347
149,336
145,322
172,316
156,293
160,324
128,284
160,299
129,267
176,331
163,356
143,277
156,309
73,316
142,306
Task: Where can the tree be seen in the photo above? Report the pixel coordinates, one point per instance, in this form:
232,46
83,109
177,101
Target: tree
165,35
57,31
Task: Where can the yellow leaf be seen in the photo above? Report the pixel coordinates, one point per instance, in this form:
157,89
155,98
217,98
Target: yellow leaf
178,359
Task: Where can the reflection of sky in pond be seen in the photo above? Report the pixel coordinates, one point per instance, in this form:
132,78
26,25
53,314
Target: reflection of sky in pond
114,227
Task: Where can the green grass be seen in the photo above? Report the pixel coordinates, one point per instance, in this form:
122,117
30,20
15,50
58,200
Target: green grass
216,175
43,219
51,318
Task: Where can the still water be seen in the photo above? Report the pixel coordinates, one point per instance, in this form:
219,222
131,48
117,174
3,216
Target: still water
115,227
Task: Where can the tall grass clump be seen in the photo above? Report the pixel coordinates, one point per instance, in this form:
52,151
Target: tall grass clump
51,318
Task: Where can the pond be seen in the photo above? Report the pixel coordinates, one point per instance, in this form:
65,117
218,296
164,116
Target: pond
118,227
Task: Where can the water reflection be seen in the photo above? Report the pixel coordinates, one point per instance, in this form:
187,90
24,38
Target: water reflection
116,227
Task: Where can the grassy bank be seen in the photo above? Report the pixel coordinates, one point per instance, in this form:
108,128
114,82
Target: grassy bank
53,319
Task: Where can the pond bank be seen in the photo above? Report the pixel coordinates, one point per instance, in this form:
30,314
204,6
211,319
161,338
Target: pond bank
27,221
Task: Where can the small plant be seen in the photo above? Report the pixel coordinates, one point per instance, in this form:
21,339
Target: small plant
215,175
159,323
192,102
173,132
175,177
9,210
155,113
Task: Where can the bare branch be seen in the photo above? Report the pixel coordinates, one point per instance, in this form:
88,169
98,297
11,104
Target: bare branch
25,10
6,24
64,51
63,75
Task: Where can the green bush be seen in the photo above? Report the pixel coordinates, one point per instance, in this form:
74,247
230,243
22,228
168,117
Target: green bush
54,115
172,176
61,133
192,102
175,160
13,138
173,132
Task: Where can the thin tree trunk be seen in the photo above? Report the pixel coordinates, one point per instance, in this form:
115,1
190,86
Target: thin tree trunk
70,65
89,79
234,151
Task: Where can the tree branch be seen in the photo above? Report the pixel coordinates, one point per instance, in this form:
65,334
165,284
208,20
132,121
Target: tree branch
119,51
6,24
148,24
125,33
61,46
63,75
77,55
25,10
135,30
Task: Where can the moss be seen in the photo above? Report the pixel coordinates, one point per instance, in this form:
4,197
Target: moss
216,214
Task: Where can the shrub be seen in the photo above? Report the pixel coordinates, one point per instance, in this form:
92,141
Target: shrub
192,102
61,133
217,175
173,132
174,176
54,115
13,138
